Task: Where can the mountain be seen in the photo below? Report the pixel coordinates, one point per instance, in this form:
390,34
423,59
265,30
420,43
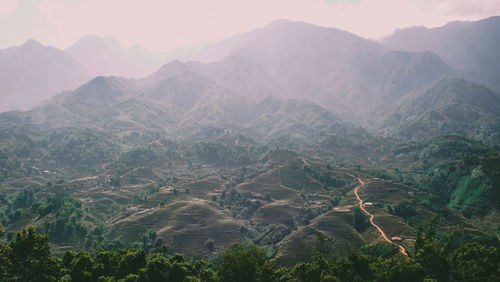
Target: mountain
292,123
468,46
281,139
105,56
450,106
181,104
296,56
31,73
363,89
352,76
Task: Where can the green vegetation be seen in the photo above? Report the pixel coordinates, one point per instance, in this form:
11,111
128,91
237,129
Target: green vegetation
360,221
195,191
268,196
460,178
123,174
404,210
443,257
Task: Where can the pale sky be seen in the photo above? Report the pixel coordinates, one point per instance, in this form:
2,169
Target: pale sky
166,24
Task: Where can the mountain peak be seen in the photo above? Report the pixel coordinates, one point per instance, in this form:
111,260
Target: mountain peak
32,44
285,25
281,22
171,68
95,41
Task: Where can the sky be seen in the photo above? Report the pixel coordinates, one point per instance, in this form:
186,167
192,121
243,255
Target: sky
167,24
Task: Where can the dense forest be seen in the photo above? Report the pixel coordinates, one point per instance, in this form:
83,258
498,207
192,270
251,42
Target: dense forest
436,256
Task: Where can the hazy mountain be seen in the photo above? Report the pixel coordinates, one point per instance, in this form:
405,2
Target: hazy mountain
265,141
105,56
296,56
182,106
354,77
451,106
32,72
295,122
468,46
362,89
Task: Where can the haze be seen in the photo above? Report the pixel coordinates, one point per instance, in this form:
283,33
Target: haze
164,25
223,140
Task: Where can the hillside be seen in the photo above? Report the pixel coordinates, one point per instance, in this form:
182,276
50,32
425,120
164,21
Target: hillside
181,105
468,46
308,142
352,76
31,73
450,106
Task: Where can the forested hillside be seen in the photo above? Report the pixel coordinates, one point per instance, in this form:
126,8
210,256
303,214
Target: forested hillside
292,152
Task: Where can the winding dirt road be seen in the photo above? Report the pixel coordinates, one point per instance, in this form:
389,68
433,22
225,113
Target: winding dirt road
382,233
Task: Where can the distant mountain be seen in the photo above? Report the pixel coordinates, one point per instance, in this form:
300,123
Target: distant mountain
305,69
451,106
468,46
293,123
182,105
363,89
197,155
32,72
105,56
296,56
352,76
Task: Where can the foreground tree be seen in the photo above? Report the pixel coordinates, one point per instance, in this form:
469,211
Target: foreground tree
240,263
28,258
476,262
437,257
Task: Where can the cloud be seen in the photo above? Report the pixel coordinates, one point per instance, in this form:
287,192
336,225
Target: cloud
166,24
7,7
341,2
470,9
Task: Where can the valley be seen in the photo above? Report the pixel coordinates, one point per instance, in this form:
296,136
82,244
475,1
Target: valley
303,144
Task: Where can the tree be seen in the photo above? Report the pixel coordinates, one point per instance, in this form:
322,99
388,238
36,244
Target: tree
29,258
476,262
81,267
354,267
269,272
324,244
156,269
405,210
315,270
360,221
3,256
431,254
240,263
400,268
131,261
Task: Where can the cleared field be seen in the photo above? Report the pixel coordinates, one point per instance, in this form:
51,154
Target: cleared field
184,225
280,212
301,244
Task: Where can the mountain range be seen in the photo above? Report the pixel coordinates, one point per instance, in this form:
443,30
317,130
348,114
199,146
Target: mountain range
265,137
360,80
467,46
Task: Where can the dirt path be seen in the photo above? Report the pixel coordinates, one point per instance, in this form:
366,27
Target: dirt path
82,179
382,233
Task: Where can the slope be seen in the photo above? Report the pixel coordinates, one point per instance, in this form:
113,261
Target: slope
468,46
32,72
450,106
